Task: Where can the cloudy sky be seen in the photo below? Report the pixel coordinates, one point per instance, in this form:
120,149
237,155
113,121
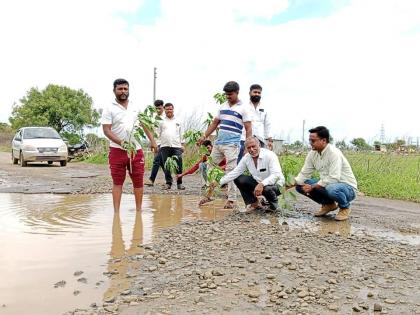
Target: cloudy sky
349,65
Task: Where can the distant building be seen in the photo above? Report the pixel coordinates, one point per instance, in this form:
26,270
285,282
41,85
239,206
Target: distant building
278,146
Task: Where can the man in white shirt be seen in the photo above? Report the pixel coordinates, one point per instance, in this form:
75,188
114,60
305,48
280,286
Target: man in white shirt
261,123
337,185
171,143
119,123
157,160
266,176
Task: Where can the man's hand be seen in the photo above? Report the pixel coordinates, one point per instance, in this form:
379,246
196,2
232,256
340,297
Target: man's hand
201,140
258,190
154,146
307,188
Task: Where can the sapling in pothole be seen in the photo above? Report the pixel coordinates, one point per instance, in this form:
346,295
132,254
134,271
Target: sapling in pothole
192,136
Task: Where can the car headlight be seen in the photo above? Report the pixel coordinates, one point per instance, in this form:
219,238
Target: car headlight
62,148
28,147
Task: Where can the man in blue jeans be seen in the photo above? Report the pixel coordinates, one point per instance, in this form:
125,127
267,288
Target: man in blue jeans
337,185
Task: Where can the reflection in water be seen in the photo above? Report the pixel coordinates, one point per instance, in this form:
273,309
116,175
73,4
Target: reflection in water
49,237
120,265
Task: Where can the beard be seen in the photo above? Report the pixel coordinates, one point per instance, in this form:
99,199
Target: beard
123,96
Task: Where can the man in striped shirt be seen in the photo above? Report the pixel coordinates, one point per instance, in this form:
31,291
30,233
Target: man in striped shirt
232,117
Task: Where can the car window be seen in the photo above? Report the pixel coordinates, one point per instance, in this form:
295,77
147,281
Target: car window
40,133
18,136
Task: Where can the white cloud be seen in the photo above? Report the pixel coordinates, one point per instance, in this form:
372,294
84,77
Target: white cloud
351,71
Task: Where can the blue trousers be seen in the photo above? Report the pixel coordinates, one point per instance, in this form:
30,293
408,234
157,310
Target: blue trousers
341,193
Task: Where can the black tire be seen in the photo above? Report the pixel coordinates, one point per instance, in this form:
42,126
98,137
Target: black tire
63,163
14,160
50,162
23,163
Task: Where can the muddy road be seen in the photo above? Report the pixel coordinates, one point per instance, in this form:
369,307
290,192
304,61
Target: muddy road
255,263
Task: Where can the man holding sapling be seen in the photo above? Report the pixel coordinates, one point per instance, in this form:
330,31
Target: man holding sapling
157,160
265,179
171,144
119,123
231,118
261,123
337,185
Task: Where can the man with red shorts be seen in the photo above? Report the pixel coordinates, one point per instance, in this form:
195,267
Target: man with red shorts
118,122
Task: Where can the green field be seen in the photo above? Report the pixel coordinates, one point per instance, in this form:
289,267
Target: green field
392,176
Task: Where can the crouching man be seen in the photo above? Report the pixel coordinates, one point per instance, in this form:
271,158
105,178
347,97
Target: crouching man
337,185
265,179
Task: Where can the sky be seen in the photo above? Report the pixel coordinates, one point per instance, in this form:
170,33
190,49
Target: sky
352,66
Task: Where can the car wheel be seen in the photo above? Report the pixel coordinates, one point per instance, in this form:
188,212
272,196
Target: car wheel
23,163
50,162
63,163
14,160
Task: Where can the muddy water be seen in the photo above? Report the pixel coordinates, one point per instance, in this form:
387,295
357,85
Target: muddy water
327,225
46,241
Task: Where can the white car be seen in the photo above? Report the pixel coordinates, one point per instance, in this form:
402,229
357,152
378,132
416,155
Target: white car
33,144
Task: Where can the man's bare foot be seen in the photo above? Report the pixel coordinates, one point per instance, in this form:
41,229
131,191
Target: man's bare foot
229,204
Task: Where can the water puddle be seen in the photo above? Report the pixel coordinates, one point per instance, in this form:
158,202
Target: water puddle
328,225
56,250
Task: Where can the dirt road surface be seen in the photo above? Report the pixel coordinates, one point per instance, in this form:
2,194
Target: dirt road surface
255,263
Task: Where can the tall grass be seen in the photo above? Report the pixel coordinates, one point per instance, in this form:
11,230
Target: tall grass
387,175
391,175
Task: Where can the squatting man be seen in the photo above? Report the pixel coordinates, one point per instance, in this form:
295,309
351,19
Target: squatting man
265,179
337,185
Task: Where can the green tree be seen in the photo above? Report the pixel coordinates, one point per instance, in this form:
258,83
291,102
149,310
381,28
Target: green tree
360,144
56,106
341,144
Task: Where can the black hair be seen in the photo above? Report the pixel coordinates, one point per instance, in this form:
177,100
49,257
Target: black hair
231,86
322,132
255,87
120,81
168,104
158,103
206,143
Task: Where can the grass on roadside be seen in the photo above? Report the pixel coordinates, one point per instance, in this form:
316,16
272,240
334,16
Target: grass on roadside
5,148
390,176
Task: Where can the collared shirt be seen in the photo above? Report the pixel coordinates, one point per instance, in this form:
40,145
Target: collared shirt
123,123
232,120
332,166
170,133
261,123
267,172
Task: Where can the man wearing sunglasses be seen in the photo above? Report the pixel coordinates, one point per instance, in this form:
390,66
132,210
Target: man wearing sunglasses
337,185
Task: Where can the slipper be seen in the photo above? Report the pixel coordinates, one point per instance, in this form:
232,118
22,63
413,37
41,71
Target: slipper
204,201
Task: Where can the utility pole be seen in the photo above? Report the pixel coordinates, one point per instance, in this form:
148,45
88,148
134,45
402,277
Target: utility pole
154,83
303,134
